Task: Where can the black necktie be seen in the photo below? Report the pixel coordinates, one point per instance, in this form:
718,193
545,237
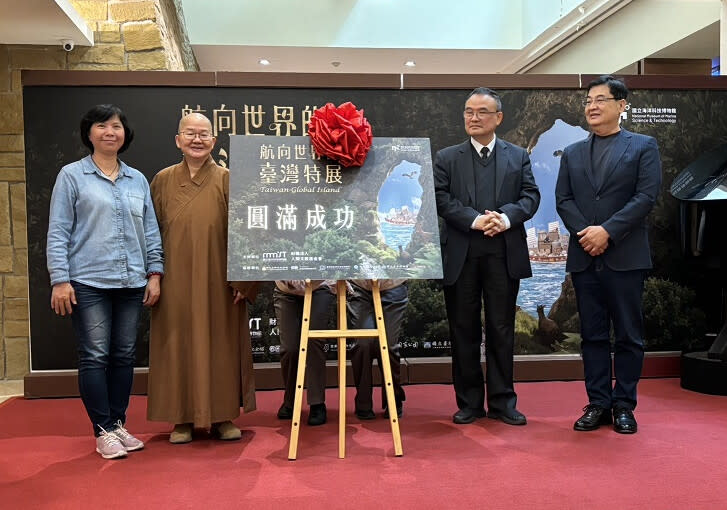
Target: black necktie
484,151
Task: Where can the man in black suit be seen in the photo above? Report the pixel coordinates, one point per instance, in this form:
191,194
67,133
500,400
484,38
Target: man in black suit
485,191
606,187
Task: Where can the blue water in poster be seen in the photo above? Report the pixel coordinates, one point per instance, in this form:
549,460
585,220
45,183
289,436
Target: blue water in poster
543,288
396,235
400,200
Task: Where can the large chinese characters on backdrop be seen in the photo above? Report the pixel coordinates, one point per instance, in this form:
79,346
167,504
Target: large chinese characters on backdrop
295,215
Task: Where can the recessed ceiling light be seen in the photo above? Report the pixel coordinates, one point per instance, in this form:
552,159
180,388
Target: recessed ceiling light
410,63
263,62
335,63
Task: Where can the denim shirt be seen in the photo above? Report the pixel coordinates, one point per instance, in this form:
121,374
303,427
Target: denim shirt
102,233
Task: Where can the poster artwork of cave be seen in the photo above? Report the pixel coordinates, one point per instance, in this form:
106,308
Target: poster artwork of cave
295,215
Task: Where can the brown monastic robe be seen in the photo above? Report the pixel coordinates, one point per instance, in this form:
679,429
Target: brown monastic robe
200,356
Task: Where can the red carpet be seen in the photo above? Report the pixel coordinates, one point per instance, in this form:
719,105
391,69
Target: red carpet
678,460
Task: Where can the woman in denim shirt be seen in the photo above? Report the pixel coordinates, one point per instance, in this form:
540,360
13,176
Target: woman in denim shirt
105,260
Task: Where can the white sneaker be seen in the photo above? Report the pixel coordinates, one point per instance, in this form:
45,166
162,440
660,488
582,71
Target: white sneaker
130,442
109,446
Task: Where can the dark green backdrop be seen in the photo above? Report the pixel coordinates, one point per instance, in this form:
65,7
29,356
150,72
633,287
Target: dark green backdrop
682,301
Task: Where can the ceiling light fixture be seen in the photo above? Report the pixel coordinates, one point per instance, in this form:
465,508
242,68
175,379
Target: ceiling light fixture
335,63
410,63
263,62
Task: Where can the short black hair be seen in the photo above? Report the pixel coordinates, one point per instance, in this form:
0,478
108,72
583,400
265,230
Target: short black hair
484,91
101,113
615,86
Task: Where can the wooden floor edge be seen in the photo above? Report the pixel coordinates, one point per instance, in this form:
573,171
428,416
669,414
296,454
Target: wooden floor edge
64,383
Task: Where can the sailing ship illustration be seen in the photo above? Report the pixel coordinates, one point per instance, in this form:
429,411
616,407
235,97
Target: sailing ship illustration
402,216
548,245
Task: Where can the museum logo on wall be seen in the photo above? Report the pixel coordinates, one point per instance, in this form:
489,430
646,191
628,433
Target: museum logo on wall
649,114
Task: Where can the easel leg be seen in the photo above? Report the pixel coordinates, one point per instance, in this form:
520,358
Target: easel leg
300,378
388,382
342,325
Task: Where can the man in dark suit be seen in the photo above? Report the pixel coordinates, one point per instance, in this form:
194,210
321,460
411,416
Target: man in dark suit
485,191
606,187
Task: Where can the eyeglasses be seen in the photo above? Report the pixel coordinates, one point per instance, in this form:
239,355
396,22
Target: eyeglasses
600,100
468,114
191,135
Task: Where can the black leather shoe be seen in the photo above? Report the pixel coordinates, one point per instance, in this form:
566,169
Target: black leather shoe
317,415
593,417
467,415
399,410
365,415
511,417
624,421
285,412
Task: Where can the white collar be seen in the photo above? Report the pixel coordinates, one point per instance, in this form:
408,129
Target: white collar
478,146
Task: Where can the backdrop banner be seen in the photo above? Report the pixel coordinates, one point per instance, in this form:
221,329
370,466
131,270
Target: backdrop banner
368,217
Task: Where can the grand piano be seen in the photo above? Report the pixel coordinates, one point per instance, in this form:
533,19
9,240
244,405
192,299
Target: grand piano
701,189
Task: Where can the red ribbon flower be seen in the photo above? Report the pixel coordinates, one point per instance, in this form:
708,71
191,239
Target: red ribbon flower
341,133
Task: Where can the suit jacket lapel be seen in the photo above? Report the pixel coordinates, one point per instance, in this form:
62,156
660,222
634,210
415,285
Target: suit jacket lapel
616,154
586,157
468,170
502,159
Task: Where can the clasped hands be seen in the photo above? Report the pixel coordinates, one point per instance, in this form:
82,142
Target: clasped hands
594,239
491,223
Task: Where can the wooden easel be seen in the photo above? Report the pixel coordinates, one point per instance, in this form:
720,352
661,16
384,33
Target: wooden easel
342,333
